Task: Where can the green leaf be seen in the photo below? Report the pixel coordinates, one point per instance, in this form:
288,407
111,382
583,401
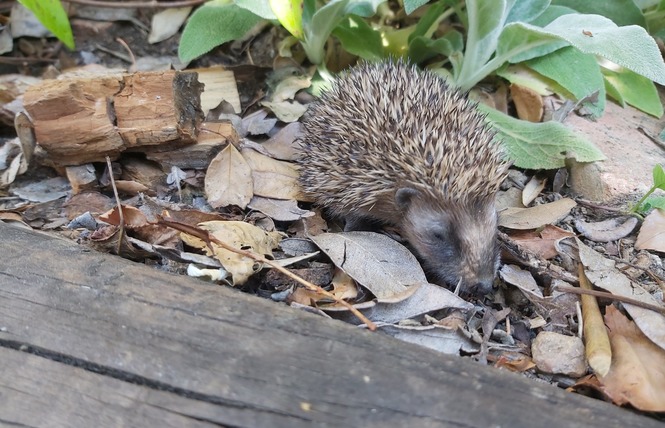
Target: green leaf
359,38
576,72
54,17
212,24
636,90
260,8
526,11
289,14
631,46
422,48
540,145
653,202
621,12
485,22
659,177
550,14
428,22
323,21
411,5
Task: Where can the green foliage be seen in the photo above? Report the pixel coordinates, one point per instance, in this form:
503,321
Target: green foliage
219,21
212,24
647,202
540,145
52,16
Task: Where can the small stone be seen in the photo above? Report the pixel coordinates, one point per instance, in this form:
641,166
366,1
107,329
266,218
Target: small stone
556,353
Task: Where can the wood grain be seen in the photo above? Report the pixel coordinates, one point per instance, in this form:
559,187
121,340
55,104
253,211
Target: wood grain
95,325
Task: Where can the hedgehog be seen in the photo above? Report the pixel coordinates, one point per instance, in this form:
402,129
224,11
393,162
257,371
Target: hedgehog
391,145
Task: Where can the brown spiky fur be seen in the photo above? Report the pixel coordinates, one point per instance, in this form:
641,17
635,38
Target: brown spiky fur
390,144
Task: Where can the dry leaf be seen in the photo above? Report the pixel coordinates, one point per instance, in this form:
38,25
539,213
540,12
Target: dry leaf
541,242
535,217
239,235
596,340
532,190
272,178
380,264
529,103
637,375
652,233
278,209
229,179
602,272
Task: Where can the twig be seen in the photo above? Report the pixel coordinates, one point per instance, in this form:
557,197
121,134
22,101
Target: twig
600,207
121,215
152,4
208,238
610,296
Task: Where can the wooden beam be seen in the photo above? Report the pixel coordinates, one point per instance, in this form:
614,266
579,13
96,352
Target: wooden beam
81,331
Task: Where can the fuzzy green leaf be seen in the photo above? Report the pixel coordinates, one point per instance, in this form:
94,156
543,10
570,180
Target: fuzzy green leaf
359,38
526,11
630,46
621,12
212,24
289,13
323,22
52,16
659,177
636,90
540,145
260,8
576,72
653,202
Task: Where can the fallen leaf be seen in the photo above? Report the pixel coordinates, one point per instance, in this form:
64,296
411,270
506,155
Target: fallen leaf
228,179
378,263
279,210
535,217
239,235
532,190
637,374
272,178
529,103
602,273
652,233
541,242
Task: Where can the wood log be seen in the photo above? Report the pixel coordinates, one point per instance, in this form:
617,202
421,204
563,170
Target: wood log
84,119
89,339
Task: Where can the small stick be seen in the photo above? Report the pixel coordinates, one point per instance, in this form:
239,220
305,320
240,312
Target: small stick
610,296
208,238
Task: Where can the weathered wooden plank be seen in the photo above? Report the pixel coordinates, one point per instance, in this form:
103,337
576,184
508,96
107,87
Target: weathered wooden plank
37,391
250,361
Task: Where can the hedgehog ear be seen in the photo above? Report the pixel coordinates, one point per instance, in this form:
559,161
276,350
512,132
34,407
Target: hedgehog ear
404,197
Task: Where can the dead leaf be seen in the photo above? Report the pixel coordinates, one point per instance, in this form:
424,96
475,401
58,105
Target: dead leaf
278,209
541,242
637,375
228,179
166,23
283,144
286,111
602,272
532,190
535,217
652,233
380,264
441,339
240,235
529,103
272,178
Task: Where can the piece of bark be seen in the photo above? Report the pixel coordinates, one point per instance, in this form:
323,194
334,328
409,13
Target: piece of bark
73,119
157,108
212,138
85,119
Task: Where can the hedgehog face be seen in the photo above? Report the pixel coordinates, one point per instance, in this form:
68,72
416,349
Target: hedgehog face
456,241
